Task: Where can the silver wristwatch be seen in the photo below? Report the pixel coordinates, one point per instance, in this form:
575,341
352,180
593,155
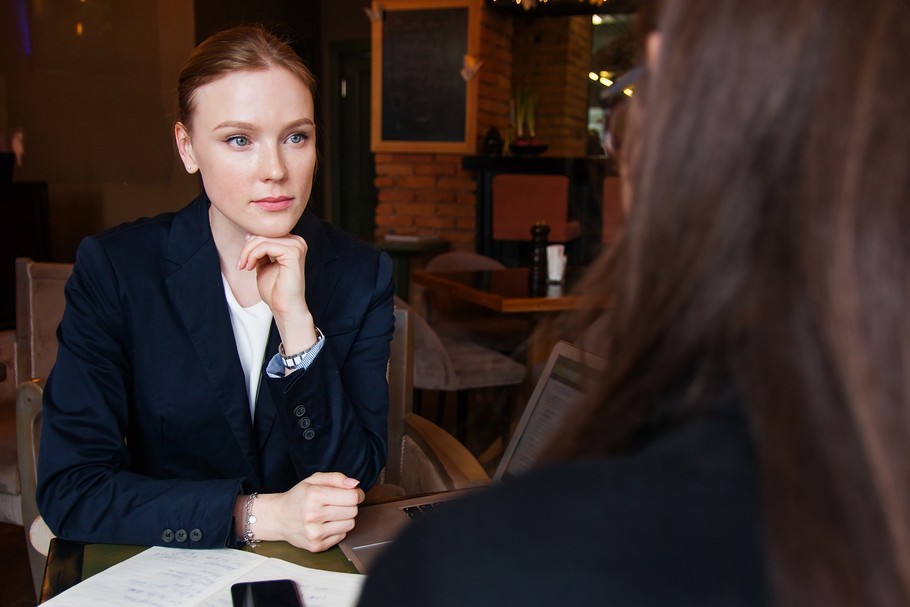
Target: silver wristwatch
294,360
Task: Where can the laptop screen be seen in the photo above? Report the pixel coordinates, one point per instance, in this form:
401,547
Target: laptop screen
559,393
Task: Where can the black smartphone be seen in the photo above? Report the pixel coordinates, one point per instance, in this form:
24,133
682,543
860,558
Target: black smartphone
274,593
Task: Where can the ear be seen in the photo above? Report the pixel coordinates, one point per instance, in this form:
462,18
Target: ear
185,147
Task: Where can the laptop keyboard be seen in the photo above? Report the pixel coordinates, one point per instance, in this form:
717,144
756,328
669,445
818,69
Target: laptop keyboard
415,511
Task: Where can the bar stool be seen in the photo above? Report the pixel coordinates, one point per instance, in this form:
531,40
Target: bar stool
452,318
447,364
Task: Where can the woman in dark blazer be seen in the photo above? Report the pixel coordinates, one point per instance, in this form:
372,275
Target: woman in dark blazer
221,373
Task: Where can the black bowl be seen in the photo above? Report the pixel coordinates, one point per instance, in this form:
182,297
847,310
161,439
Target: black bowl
528,149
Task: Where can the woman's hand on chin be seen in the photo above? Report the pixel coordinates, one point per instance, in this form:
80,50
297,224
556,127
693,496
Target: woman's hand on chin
279,265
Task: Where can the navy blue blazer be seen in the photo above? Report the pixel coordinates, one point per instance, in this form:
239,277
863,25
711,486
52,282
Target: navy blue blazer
147,437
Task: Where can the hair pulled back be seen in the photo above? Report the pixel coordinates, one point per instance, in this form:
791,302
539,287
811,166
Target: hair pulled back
240,48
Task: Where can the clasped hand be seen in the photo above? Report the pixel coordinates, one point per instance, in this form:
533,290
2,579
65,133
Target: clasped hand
314,515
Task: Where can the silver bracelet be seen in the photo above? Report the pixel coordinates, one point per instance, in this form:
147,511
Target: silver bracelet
248,520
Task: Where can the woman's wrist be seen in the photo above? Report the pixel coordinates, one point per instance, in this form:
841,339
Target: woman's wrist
255,520
297,335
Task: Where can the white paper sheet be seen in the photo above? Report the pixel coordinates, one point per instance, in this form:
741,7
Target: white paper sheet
174,577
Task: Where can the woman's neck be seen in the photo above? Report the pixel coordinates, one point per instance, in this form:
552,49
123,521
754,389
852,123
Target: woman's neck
229,241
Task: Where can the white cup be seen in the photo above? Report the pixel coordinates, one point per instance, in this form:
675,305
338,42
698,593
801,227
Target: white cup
556,263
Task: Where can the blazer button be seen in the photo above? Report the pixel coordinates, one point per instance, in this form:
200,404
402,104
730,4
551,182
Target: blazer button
304,422
309,434
167,536
180,535
300,411
196,535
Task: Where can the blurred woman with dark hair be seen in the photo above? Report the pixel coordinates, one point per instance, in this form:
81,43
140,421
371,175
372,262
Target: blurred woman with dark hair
748,442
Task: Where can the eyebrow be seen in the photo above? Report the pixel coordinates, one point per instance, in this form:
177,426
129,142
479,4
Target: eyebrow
247,126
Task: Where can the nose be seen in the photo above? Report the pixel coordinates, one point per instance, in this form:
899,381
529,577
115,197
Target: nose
272,164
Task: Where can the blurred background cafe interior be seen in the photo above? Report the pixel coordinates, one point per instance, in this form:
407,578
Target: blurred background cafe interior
449,130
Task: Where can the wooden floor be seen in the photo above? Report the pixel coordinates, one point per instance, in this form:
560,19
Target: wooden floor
15,577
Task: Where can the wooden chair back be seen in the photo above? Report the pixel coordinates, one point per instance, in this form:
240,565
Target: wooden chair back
401,389
520,201
28,437
422,456
39,309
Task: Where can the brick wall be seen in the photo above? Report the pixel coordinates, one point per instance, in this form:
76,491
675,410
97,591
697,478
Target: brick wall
430,193
425,194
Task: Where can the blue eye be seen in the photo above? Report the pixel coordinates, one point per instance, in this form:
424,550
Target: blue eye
238,141
297,138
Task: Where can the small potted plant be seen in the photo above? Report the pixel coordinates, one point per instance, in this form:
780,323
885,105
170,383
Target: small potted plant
526,142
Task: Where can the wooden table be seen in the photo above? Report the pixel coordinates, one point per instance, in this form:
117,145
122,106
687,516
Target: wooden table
68,563
505,290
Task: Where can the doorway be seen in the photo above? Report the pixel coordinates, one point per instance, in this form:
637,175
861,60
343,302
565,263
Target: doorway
354,193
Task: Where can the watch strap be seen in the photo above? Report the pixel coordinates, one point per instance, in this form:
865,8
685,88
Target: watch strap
295,361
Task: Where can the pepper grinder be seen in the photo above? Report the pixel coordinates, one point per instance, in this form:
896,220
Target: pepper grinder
537,275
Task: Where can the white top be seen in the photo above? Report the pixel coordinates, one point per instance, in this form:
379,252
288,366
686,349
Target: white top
251,332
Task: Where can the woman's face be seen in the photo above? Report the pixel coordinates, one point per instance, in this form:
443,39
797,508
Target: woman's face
253,139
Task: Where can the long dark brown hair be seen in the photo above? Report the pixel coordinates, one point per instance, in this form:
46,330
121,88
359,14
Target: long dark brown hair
768,243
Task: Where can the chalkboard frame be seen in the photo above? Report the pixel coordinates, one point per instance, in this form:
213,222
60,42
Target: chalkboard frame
465,145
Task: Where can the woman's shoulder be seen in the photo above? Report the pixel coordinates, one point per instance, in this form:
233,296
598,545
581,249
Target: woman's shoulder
146,231
145,241
135,232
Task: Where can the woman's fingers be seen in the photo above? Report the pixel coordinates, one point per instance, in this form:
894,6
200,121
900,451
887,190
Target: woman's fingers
323,509
258,251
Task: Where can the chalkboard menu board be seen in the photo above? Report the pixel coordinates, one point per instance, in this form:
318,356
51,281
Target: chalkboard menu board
421,100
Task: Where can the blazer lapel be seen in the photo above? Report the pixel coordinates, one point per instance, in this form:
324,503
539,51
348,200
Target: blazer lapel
265,412
197,292
322,270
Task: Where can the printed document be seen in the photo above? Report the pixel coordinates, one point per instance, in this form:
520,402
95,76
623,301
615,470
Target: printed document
169,577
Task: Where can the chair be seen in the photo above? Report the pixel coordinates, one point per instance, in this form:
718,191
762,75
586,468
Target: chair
447,364
457,261
520,201
463,320
39,309
28,429
10,511
423,457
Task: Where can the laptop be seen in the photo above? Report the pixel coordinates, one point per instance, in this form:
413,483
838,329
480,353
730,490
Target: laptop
557,395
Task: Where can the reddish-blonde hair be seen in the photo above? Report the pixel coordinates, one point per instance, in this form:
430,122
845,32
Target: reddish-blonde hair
244,47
